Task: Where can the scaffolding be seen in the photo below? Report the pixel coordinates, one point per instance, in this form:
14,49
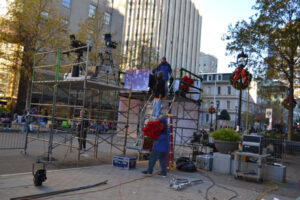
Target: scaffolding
184,107
80,91
75,91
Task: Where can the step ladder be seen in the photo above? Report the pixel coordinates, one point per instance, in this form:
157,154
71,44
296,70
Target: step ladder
145,117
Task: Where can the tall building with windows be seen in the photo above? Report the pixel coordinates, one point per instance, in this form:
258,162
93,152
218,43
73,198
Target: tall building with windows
171,27
207,63
76,11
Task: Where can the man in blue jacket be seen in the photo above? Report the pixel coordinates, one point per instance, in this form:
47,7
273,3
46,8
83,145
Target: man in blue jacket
159,150
165,67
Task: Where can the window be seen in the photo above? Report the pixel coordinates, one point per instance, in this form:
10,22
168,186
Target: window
92,10
228,104
218,104
107,18
219,90
110,1
209,78
208,90
207,117
229,90
219,77
66,3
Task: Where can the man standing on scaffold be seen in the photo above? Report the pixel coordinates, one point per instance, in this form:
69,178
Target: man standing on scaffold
165,67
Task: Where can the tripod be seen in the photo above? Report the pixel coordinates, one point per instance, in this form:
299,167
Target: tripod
78,68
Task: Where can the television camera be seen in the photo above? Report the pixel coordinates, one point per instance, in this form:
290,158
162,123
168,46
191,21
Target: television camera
79,48
108,42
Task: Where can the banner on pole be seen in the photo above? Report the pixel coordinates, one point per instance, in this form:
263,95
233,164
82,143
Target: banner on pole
269,113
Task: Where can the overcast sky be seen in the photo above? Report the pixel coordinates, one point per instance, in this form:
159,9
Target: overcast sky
217,15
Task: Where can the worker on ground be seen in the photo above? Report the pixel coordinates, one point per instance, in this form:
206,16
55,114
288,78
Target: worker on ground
82,132
165,67
158,93
159,150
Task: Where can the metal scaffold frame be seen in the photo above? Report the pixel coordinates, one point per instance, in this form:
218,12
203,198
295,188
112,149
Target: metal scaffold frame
53,88
86,98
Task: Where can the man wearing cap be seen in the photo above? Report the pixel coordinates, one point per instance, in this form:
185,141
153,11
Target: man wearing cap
165,67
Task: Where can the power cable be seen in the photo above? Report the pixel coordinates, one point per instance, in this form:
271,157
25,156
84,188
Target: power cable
214,184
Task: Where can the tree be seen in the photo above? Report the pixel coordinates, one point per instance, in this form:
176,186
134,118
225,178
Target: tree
272,40
36,26
143,53
224,115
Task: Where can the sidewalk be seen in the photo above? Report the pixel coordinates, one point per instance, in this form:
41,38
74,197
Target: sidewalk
126,185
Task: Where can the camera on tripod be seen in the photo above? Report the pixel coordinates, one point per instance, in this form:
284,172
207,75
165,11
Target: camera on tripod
79,48
108,42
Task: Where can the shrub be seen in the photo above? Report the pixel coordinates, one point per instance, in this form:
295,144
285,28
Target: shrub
2,109
225,134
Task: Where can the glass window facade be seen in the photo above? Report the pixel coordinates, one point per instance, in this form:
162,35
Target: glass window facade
66,3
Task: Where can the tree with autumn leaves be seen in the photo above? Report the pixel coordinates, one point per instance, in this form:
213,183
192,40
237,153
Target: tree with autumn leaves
36,26
271,38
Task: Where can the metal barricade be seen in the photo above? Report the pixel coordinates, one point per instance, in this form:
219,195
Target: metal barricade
12,136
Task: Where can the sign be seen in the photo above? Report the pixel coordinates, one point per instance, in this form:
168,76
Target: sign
140,79
269,113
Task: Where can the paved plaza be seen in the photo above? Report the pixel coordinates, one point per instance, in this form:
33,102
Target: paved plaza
132,185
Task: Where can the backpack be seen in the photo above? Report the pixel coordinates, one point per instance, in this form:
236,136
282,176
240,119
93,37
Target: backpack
185,164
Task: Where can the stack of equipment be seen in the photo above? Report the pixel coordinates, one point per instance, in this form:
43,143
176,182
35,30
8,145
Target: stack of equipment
252,144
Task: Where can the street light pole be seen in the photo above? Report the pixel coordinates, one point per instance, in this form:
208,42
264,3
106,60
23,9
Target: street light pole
242,60
239,111
211,110
217,108
211,122
235,116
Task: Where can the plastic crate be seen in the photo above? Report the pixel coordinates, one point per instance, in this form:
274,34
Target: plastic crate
124,162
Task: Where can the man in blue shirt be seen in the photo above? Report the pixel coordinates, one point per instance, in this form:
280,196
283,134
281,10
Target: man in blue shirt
165,67
159,150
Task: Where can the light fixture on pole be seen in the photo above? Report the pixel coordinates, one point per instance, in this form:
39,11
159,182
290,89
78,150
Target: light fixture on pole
211,110
240,80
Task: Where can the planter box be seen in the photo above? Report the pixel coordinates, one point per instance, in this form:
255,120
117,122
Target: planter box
226,146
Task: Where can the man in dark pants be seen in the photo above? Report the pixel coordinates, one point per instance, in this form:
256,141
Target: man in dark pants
164,67
159,150
82,137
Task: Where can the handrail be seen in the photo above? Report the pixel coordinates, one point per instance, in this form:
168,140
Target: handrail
189,85
191,73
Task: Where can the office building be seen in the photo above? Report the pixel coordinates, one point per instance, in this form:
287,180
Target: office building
207,63
171,27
